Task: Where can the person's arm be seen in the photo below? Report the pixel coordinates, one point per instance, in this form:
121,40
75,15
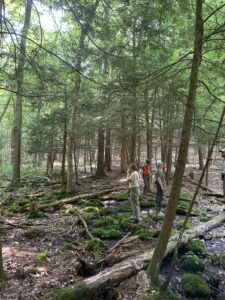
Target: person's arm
130,177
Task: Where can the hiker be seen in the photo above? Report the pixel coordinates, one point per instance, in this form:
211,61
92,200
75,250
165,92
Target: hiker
223,171
133,178
159,181
146,175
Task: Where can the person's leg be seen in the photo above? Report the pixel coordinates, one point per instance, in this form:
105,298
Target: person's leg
132,200
160,199
136,204
145,184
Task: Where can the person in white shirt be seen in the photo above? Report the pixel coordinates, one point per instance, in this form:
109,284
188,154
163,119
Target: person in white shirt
133,178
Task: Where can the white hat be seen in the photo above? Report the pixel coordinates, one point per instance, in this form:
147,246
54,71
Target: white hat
159,162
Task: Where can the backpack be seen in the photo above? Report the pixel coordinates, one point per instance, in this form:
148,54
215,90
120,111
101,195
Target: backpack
146,170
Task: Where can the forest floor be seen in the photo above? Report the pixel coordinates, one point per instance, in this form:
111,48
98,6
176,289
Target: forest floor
43,254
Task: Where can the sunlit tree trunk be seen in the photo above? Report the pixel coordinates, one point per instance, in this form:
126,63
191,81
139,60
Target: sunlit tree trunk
17,127
164,236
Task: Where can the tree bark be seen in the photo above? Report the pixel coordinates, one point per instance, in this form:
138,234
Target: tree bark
163,239
108,156
100,172
17,127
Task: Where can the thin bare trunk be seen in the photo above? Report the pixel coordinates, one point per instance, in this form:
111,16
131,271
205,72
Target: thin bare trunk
163,239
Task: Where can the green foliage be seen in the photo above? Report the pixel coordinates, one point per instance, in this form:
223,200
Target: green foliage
42,256
14,208
158,216
144,234
197,246
214,259
195,286
104,211
192,262
147,220
69,246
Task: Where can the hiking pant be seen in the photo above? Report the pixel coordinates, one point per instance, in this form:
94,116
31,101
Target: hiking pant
134,202
159,196
146,184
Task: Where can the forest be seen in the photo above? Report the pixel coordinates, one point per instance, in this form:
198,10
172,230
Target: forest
112,149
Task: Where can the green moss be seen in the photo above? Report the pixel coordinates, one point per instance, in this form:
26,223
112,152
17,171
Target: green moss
121,197
186,196
105,222
222,259
96,247
195,286
187,226
144,234
69,246
107,233
124,208
75,293
165,295
14,208
82,231
159,216
42,256
197,246
214,259
125,224
104,211
147,220
94,202
93,210
192,262
147,203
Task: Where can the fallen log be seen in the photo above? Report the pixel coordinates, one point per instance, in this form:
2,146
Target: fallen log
217,195
113,276
203,187
76,198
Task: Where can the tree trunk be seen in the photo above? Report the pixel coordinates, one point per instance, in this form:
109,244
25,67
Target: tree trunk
2,274
90,156
17,127
108,157
64,143
100,172
123,161
200,157
163,239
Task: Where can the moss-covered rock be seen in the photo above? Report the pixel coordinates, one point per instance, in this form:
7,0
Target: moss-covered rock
195,286
125,224
198,247
92,210
147,203
186,196
107,233
124,208
94,202
121,197
158,216
192,262
74,293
